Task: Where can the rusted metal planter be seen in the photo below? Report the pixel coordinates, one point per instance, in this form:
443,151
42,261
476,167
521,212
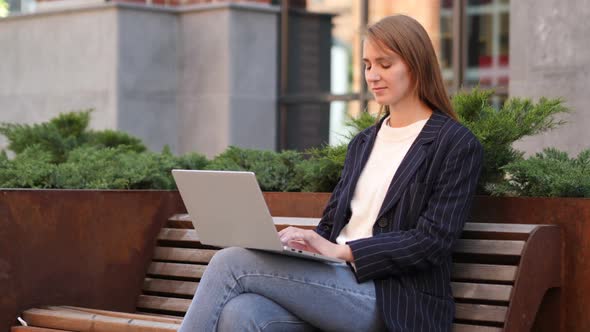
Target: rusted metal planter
91,248
79,247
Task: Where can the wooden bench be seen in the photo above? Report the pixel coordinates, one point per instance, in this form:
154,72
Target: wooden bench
501,273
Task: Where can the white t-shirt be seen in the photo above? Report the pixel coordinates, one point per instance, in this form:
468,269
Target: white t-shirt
390,148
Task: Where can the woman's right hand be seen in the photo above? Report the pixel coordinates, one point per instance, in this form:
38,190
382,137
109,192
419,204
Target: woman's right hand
308,240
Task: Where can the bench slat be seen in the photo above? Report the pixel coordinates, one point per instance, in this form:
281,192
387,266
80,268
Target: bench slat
178,234
33,329
170,286
480,312
460,290
473,312
163,303
499,228
474,328
489,247
484,272
81,321
180,217
176,270
469,226
183,254
463,290
109,313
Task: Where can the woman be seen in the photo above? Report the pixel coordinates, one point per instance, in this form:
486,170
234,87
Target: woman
401,203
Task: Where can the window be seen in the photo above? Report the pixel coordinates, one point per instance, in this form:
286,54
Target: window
487,44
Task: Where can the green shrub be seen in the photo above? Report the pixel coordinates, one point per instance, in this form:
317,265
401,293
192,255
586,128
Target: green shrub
99,168
322,169
498,129
550,173
32,168
63,134
91,167
153,169
235,159
111,138
357,124
192,161
63,153
274,171
72,124
96,168
45,135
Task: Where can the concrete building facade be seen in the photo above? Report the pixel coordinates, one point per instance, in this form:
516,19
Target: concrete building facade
550,57
201,77
182,77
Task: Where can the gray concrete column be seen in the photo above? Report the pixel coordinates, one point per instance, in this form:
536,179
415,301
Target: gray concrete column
228,78
550,57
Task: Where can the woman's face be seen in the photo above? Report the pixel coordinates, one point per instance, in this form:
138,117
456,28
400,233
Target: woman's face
387,75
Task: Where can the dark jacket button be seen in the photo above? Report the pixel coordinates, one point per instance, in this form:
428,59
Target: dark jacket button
326,228
383,222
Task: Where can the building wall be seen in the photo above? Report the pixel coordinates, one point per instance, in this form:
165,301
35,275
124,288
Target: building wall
204,82
147,76
253,79
54,63
198,78
228,79
549,57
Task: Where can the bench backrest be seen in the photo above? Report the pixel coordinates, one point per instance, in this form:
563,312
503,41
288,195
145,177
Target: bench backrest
500,273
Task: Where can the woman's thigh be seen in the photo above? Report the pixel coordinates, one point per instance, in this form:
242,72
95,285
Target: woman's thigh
255,313
323,294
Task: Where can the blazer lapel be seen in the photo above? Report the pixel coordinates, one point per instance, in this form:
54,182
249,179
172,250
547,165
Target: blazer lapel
414,157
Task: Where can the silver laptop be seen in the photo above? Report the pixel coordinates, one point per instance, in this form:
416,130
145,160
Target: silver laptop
227,209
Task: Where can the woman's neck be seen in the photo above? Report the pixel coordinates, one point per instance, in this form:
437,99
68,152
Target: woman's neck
408,111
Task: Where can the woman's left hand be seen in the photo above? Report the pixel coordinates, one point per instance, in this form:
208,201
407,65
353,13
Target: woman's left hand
305,239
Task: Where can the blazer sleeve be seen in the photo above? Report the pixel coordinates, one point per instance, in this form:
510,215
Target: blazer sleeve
437,228
324,227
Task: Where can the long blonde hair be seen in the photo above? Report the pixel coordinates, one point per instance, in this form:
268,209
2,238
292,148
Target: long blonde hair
406,37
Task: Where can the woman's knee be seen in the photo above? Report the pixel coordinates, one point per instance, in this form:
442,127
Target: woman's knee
229,258
253,312
238,315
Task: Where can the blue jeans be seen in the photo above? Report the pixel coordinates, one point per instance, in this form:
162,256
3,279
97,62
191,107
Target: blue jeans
250,290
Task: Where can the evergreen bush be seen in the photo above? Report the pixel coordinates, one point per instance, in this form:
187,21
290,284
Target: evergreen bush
63,134
498,129
550,173
63,153
96,168
274,171
321,170
32,168
111,139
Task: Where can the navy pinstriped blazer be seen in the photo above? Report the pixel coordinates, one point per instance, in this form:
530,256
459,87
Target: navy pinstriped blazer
424,211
